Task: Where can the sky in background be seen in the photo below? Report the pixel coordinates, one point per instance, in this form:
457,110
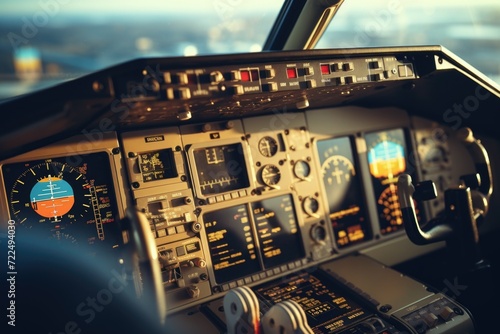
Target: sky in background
137,6
152,6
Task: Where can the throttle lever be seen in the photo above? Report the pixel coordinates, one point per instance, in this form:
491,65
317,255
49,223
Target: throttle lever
436,229
241,309
286,317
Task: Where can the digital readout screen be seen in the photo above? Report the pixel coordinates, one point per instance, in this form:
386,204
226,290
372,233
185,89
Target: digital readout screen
157,165
234,251
327,309
387,159
277,230
221,169
231,243
344,191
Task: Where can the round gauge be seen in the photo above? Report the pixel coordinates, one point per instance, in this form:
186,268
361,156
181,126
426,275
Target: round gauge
271,175
310,205
68,199
51,192
337,170
318,233
54,199
301,169
268,146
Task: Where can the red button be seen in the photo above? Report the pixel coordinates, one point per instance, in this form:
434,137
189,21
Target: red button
245,75
325,69
291,72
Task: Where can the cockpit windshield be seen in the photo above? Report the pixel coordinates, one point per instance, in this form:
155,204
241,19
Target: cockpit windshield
49,41
471,30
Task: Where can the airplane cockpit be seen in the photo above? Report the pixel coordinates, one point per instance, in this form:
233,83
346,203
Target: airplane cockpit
301,186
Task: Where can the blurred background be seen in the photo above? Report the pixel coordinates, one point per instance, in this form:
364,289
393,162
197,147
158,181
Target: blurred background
44,42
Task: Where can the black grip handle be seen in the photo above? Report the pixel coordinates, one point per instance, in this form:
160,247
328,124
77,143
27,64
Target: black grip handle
481,192
437,230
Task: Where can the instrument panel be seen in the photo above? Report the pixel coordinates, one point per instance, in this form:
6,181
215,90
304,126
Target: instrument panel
231,203
276,171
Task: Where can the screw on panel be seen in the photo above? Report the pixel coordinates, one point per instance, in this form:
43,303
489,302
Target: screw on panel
229,124
132,154
196,227
136,185
206,127
116,150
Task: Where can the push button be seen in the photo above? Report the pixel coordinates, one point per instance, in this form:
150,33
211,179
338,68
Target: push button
180,251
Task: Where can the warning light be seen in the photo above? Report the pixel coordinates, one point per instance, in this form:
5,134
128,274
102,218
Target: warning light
325,69
249,75
291,73
245,75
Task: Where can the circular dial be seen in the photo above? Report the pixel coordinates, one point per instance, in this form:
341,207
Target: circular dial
268,146
318,233
310,205
271,175
301,169
51,192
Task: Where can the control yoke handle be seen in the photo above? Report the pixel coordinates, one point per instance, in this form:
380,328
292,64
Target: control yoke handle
481,192
436,229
